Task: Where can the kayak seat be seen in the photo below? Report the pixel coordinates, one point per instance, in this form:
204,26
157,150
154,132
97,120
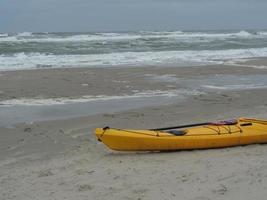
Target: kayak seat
177,132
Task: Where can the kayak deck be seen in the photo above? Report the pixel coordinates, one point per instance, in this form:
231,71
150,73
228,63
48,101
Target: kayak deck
244,131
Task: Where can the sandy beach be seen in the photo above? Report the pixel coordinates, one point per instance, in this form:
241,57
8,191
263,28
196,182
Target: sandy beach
49,151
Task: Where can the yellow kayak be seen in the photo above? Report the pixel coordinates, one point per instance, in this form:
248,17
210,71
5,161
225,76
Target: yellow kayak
210,135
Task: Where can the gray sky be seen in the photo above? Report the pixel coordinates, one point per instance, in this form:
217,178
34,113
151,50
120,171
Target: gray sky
127,15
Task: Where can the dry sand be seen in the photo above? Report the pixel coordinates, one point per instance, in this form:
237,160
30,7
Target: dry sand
61,159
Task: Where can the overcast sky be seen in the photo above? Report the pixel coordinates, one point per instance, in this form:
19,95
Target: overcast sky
128,15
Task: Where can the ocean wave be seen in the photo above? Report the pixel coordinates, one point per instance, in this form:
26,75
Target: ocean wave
263,33
218,35
40,60
146,35
72,38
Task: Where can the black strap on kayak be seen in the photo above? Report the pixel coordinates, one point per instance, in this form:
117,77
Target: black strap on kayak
220,123
181,126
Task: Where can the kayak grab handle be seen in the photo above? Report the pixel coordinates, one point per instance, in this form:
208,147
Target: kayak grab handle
246,124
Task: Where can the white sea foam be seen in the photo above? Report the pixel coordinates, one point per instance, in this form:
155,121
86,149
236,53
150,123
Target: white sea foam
257,66
214,35
58,101
235,87
73,38
242,63
163,78
3,34
185,36
25,34
38,60
264,33
252,66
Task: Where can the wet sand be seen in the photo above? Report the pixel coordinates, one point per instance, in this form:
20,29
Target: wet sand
77,82
61,159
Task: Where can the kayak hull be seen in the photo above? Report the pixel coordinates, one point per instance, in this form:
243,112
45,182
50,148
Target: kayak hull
246,131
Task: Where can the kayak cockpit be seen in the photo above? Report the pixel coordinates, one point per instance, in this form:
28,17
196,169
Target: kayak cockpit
177,132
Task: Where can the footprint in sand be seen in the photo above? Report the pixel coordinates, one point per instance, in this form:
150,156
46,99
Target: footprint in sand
221,190
45,173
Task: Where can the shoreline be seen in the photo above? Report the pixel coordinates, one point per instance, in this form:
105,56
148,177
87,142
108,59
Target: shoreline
36,95
79,82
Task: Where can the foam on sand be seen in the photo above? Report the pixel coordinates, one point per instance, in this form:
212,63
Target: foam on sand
171,78
235,87
58,101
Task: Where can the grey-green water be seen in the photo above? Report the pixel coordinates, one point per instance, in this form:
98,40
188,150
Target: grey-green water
37,50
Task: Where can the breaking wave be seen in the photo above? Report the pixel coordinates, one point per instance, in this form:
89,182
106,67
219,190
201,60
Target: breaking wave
40,60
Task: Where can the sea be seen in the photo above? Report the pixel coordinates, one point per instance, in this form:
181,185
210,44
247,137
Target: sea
23,51
142,48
